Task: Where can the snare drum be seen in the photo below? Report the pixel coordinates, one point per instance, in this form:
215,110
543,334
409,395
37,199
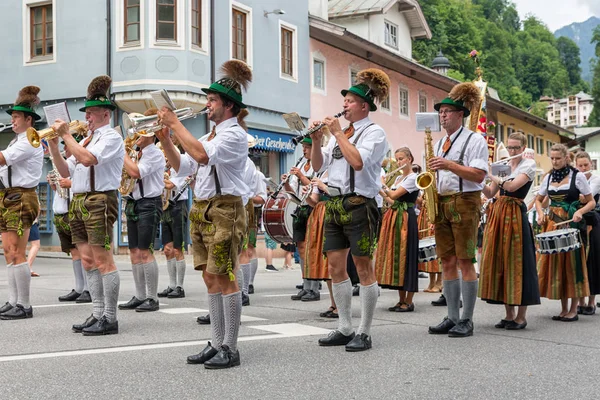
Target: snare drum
277,218
558,241
427,249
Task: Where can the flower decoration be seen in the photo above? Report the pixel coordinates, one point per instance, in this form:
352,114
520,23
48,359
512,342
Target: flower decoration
491,125
474,55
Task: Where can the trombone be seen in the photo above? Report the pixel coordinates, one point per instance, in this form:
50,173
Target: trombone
76,128
135,123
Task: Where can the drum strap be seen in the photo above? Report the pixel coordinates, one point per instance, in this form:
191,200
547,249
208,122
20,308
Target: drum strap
352,179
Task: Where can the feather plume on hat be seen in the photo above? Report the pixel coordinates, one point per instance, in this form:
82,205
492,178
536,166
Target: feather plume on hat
28,97
151,111
377,81
468,93
236,71
98,88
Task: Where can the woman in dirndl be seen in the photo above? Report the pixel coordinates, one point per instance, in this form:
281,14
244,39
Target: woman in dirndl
396,263
508,274
564,275
592,235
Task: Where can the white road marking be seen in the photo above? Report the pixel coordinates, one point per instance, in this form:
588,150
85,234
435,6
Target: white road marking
191,310
68,304
282,331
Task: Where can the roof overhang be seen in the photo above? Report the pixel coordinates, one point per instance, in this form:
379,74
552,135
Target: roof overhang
419,29
139,101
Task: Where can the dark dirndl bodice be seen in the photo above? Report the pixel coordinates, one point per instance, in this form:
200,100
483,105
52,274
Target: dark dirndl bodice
520,193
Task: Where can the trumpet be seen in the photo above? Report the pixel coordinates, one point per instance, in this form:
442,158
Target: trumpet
296,140
76,128
134,123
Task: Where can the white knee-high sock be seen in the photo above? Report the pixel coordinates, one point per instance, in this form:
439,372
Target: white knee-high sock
12,285
78,272
247,268
140,281
368,301
96,292
254,265
342,294
172,270
217,319
180,266
23,281
232,310
151,277
111,283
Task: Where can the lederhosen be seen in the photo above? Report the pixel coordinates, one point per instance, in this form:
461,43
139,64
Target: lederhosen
61,222
351,219
174,222
563,275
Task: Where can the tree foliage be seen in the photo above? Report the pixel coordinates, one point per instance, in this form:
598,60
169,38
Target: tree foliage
520,58
594,119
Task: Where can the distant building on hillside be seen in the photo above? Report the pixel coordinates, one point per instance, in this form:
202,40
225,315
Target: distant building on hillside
571,111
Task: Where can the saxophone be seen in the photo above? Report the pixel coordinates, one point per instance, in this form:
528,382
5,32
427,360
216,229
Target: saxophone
166,195
54,176
426,181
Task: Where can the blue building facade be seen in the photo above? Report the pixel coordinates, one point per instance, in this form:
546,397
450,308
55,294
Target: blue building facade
145,45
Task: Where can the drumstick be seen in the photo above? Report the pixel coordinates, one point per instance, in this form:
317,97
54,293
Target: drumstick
564,222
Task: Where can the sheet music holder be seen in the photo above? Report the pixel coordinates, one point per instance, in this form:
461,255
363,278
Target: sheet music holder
57,111
428,120
161,99
294,122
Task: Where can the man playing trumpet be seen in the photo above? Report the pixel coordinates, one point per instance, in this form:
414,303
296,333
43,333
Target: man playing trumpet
19,205
95,171
143,212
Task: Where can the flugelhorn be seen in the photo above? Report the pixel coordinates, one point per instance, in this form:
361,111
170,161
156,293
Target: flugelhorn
296,140
146,126
76,128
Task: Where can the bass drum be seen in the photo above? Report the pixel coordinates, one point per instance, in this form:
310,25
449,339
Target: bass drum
278,218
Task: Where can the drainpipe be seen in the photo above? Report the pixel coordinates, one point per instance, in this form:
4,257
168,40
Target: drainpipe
212,51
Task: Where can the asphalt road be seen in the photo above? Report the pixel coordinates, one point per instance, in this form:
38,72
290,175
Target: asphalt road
41,358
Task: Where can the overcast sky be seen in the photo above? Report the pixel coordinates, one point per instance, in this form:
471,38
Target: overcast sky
558,13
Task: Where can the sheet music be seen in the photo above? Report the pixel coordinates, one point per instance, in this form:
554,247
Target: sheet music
161,99
57,111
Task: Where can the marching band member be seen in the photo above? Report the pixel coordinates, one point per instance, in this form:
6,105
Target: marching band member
218,216
508,274
19,205
258,206
60,208
592,235
174,230
300,177
95,170
563,275
143,210
353,160
396,263
461,162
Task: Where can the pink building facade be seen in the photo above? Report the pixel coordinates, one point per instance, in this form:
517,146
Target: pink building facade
332,71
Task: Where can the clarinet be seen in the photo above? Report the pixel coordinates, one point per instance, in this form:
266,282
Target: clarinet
283,182
184,187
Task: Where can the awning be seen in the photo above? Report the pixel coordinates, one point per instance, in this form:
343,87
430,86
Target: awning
272,141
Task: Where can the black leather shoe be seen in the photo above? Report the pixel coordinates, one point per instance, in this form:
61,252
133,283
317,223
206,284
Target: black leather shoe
464,328
579,310
69,297
17,312
84,298
503,323
6,307
336,338
442,328
360,342
102,327
148,305
91,320
598,304
311,295
245,300
563,319
203,320
301,286
441,302
165,292
591,310
205,355
177,293
514,326
356,291
251,289
131,304
299,295
225,358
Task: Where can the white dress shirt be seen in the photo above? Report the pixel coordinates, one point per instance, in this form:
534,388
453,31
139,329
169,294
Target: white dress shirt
409,184
152,167
527,167
60,205
295,183
372,147
25,161
476,156
581,184
261,187
227,152
594,183
379,198
251,178
108,148
178,180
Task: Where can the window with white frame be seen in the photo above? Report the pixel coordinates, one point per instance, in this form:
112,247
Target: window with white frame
353,73
530,142
166,20
391,34
422,102
132,21
385,105
239,29
41,32
318,74
548,145
196,23
500,133
288,52
539,145
403,104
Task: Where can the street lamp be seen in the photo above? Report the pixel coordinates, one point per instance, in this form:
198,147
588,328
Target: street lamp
278,11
